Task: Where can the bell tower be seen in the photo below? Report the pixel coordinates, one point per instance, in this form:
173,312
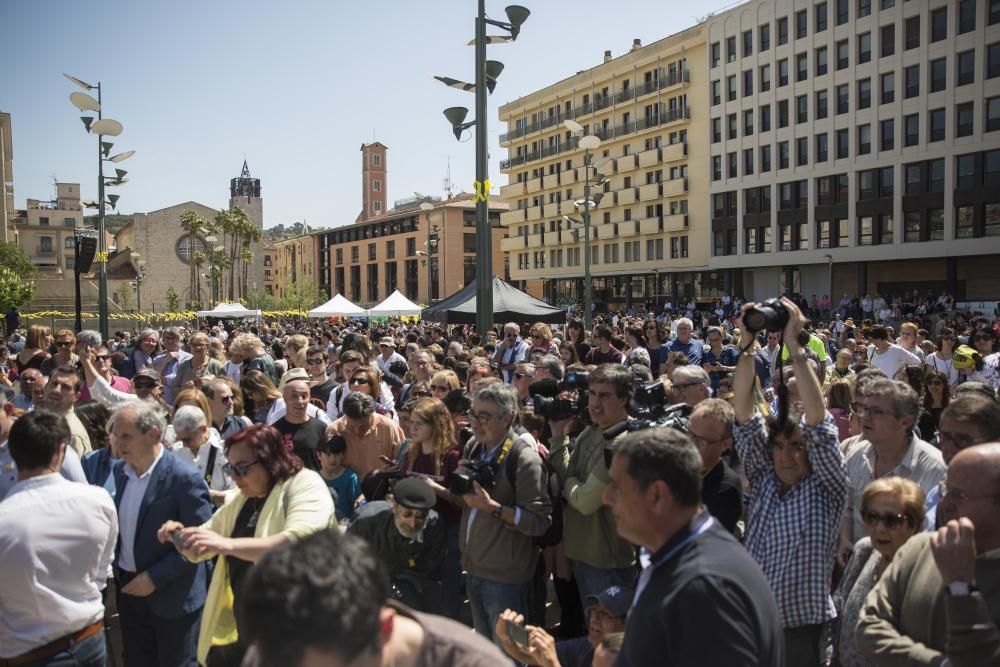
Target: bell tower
244,193
374,173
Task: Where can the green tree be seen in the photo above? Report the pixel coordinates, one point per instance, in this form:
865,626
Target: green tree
13,258
301,295
194,226
197,261
124,296
258,299
14,290
173,301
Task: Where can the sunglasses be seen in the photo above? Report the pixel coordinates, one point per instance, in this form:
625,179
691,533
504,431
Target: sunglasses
314,362
144,385
102,357
358,381
421,394
519,376
439,387
226,399
239,469
890,521
64,343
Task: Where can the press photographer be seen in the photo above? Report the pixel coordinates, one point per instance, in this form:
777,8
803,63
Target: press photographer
503,512
599,557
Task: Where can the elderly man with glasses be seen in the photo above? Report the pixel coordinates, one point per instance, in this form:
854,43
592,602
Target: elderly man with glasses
168,363
500,521
202,448
511,351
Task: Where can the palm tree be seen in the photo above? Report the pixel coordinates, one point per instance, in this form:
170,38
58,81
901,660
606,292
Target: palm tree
246,256
253,234
197,260
193,225
224,225
242,226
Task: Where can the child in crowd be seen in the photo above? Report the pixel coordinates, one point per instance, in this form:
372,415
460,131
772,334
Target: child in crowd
343,482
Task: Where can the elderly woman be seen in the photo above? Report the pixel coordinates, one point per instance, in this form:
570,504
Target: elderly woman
250,349
893,512
64,356
195,441
443,382
278,500
541,339
147,344
192,372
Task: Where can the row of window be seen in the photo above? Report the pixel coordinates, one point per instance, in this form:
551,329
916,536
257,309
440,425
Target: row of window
937,28
612,253
865,136
937,75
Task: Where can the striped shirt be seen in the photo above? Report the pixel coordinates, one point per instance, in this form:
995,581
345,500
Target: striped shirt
922,463
793,536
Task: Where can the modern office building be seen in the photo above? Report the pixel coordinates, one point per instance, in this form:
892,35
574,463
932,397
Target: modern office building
649,233
855,147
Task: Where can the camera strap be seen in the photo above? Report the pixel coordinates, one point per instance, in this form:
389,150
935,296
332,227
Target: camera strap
501,454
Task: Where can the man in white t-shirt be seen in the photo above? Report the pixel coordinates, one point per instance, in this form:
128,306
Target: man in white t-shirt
886,356
389,354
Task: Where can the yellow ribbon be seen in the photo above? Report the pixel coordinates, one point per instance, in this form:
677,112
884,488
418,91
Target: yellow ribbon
482,192
101,257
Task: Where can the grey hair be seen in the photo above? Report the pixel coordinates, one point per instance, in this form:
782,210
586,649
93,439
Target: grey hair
690,373
358,405
555,365
501,395
513,326
145,416
173,331
189,418
684,321
905,402
90,337
145,333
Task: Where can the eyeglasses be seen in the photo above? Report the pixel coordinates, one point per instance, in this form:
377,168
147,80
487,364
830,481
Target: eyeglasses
102,357
481,417
239,469
687,384
521,376
144,385
439,387
890,521
702,442
226,399
64,343
862,409
960,496
358,381
314,362
152,341
983,337
959,440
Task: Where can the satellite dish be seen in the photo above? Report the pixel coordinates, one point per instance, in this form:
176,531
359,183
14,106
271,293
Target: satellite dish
426,206
573,126
106,127
121,157
84,102
588,142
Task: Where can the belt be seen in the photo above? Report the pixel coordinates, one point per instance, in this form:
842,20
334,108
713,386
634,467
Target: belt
53,647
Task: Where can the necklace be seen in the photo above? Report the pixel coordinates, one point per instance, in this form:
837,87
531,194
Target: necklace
256,504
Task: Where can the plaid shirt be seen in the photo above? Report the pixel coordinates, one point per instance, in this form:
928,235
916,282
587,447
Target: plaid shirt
793,536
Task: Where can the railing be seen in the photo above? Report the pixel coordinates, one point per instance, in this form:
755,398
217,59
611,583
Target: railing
668,116
664,80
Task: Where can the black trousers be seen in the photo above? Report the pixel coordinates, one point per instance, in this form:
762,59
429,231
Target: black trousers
150,640
802,645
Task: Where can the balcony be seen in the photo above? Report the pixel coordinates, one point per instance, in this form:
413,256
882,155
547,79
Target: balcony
534,185
650,226
611,132
662,81
550,181
513,243
512,190
626,196
626,163
556,239
674,152
533,213
650,191
512,217
568,177
567,207
551,210
533,241
675,188
628,228
675,223
649,158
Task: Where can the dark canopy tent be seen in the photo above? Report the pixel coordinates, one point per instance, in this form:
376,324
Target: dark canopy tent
509,305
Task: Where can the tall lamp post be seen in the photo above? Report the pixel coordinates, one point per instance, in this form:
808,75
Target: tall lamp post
140,275
102,127
487,72
588,143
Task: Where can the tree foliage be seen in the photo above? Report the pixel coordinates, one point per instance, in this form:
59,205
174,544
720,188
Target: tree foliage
15,291
13,258
173,300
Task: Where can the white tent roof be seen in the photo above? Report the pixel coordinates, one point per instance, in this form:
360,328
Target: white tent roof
395,305
338,306
229,310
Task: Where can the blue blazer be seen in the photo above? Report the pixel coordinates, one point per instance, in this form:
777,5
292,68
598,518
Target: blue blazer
176,492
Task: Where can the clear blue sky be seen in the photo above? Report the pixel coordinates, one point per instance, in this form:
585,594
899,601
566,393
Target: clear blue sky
294,86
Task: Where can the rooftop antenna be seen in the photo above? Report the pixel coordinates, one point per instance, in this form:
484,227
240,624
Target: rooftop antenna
446,183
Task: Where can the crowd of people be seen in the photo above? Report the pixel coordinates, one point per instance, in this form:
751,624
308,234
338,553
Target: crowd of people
800,482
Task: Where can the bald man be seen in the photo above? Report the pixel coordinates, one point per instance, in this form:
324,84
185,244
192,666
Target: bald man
940,597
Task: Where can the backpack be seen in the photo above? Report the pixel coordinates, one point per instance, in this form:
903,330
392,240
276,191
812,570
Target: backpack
553,535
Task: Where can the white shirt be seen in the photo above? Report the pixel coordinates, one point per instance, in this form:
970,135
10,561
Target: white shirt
383,363
71,469
128,510
335,404
102,391
57,540
947,367
220,480
892,360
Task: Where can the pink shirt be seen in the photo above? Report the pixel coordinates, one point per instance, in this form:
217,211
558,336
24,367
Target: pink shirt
117,382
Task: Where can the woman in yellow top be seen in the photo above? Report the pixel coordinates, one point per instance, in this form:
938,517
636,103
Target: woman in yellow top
276,499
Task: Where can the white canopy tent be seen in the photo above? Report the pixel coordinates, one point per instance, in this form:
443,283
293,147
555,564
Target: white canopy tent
338,306
229,311
395,305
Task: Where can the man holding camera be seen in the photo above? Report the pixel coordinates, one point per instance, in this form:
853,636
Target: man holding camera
499,522
600,558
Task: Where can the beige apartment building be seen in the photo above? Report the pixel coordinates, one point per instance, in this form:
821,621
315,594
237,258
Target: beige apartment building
649,233
6,174
290,261
45,230
855,147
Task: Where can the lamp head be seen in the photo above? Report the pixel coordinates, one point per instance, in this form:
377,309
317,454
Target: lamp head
120,174
516,15
85,86
106,147
573,126
493,69
597,197
84,102
107,127
87,121
589,142
121,157
456,116
113,201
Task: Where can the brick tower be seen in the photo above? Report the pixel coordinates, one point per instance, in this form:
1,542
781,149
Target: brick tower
373,181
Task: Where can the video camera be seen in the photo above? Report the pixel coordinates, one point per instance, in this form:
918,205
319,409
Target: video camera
546,402
672,416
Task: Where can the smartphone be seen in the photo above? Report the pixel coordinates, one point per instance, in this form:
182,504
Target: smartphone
517,633
175,537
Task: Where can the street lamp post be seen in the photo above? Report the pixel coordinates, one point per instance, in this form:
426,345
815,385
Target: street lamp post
140,275
487,72
102,127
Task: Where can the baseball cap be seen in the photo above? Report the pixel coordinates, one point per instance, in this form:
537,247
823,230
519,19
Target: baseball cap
387,341
616,599
292,375
149,374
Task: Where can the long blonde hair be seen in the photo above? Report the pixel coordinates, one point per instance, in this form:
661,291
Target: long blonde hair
436,414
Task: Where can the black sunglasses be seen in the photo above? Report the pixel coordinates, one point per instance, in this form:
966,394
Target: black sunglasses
890,521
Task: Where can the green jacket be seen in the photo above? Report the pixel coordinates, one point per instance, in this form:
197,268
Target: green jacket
589,531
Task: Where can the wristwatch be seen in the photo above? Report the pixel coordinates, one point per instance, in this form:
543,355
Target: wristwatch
498,511
959,588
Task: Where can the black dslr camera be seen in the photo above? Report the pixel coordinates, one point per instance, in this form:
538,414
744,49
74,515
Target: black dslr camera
770,315
460,481
550,406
